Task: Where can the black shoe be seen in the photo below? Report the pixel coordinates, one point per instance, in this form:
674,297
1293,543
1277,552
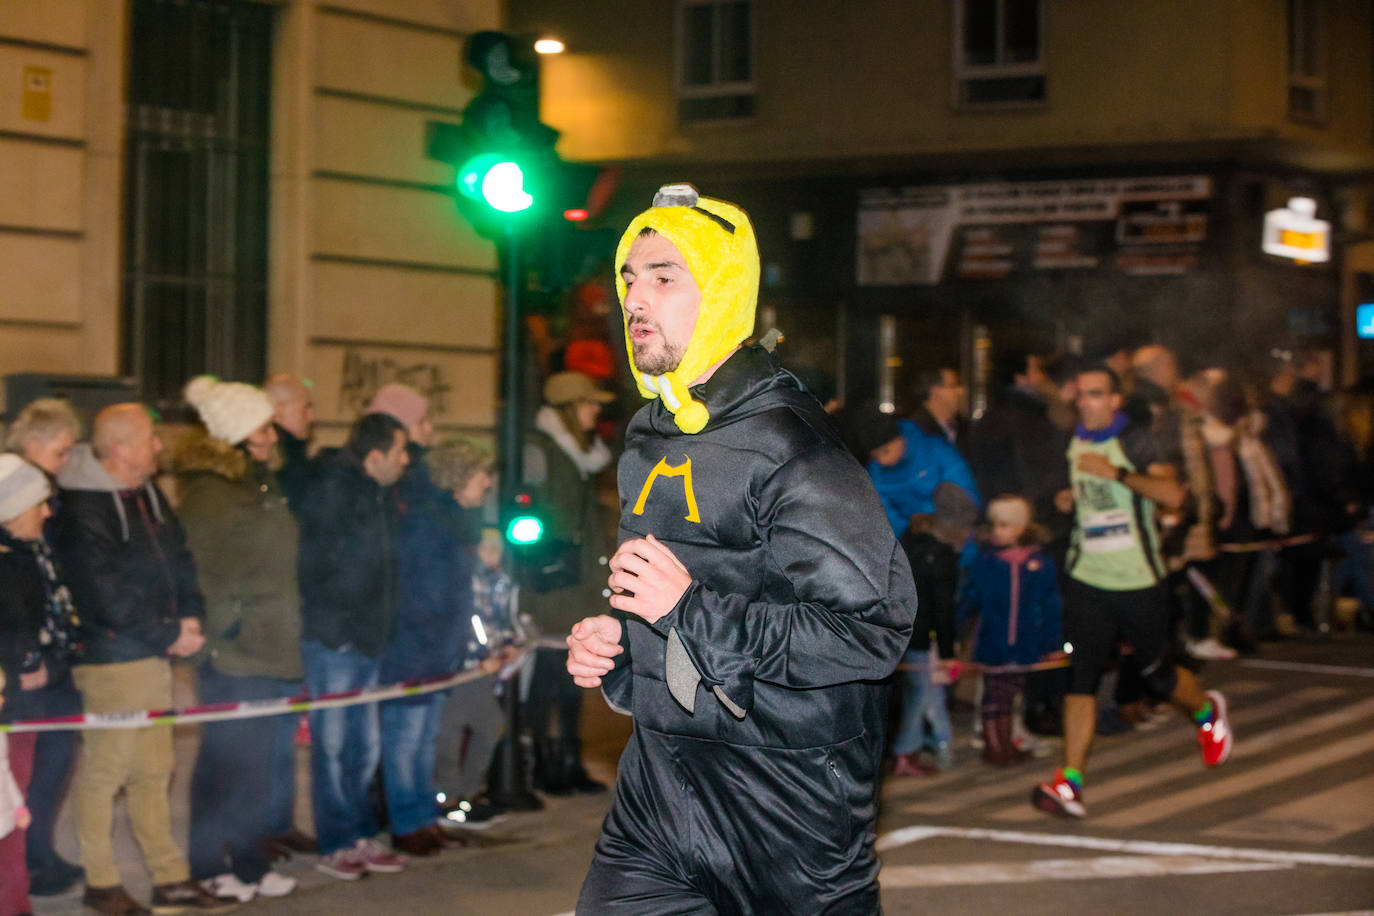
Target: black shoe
296,841
579,781
474,815
55,877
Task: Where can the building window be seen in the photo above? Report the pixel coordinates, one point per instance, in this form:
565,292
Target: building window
195,265
1306,60
715,60
998,52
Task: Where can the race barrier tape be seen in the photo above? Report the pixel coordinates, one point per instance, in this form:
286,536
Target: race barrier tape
251,709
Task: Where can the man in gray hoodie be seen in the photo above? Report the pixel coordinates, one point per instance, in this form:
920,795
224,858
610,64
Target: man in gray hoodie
134,581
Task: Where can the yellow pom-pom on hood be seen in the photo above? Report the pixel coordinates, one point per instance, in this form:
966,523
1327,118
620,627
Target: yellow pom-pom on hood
717,241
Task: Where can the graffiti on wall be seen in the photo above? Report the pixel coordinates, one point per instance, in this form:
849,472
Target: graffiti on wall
362,375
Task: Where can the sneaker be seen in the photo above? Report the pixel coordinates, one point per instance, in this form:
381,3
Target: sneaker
341,864
475,815
374,857
1059,797
228,885
1214,737
275,884
1209,649
185,896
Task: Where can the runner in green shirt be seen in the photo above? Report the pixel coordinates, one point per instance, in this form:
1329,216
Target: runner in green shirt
1114,590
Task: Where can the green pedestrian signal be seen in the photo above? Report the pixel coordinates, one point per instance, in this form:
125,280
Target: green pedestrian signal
525,530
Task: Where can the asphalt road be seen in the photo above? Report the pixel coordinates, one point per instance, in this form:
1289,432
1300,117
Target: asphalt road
1285,827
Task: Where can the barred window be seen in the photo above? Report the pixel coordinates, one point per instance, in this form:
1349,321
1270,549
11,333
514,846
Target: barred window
196,206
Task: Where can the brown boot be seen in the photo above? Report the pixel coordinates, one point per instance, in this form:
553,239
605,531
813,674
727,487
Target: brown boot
114,901
995,741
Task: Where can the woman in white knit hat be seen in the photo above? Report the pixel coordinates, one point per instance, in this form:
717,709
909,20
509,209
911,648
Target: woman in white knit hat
244,539
38,636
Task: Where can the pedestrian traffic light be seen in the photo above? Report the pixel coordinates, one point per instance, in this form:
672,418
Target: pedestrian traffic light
524,527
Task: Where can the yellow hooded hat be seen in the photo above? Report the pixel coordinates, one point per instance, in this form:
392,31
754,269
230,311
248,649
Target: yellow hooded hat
717,241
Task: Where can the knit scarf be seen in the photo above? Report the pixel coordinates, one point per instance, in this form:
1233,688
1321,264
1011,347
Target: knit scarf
60,635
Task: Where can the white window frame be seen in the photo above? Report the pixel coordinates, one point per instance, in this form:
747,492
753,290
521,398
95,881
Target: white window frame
717,88
1301,13
964,72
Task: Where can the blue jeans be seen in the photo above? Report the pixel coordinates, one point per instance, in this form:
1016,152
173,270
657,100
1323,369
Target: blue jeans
345,746
409,728
922,700
236,767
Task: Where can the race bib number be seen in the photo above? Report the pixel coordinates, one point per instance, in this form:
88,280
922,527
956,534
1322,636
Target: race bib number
1107,532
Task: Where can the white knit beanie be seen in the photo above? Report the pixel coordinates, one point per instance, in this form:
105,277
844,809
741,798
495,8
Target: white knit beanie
230,410
22,486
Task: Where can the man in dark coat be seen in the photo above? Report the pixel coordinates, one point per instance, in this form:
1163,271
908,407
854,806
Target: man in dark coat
762,598
348,609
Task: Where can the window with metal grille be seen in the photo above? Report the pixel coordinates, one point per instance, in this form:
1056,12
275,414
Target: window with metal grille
998,52
1306,60
715,60
196,207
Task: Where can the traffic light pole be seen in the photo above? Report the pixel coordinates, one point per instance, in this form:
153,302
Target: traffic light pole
509,781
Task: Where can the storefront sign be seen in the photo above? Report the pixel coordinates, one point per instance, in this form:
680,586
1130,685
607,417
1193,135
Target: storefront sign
928,235
1295,232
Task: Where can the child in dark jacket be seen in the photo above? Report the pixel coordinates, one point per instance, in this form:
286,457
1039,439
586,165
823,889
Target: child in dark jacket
1013,591
932,544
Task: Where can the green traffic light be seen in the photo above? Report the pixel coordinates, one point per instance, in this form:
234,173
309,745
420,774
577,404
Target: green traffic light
524,529
503,187
497,181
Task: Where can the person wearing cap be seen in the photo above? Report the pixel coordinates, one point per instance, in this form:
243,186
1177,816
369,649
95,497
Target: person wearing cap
134,580
758,600
44,432
38,639
245,542
562,461
907,464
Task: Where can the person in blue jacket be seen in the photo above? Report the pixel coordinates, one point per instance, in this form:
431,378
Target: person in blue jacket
1013,591
907,465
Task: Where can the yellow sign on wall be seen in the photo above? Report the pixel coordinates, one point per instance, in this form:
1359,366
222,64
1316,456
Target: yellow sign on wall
37,94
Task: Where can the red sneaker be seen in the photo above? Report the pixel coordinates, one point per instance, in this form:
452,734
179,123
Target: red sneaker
1059,797
1214,738
907,765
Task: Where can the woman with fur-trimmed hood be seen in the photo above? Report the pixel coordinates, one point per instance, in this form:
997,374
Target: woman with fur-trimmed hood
245,540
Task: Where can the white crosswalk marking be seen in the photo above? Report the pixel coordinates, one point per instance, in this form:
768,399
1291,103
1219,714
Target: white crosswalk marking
1176,772
982,873
1319,818
1175,802
997,784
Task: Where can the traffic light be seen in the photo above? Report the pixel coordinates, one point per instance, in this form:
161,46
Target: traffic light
524,527
502,154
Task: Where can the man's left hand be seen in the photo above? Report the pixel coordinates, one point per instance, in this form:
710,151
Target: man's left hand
646,579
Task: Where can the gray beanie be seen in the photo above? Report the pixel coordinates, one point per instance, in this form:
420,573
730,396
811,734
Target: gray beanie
22,486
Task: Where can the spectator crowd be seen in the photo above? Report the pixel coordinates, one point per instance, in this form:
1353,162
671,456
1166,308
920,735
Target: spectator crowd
274,572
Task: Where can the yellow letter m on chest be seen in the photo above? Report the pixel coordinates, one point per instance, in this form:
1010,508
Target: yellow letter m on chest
663,469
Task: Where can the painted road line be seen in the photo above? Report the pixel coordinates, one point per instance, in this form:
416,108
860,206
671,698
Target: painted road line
1082,869
903,836
1319,818
1308,668
1177,802
995,784
1187,767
